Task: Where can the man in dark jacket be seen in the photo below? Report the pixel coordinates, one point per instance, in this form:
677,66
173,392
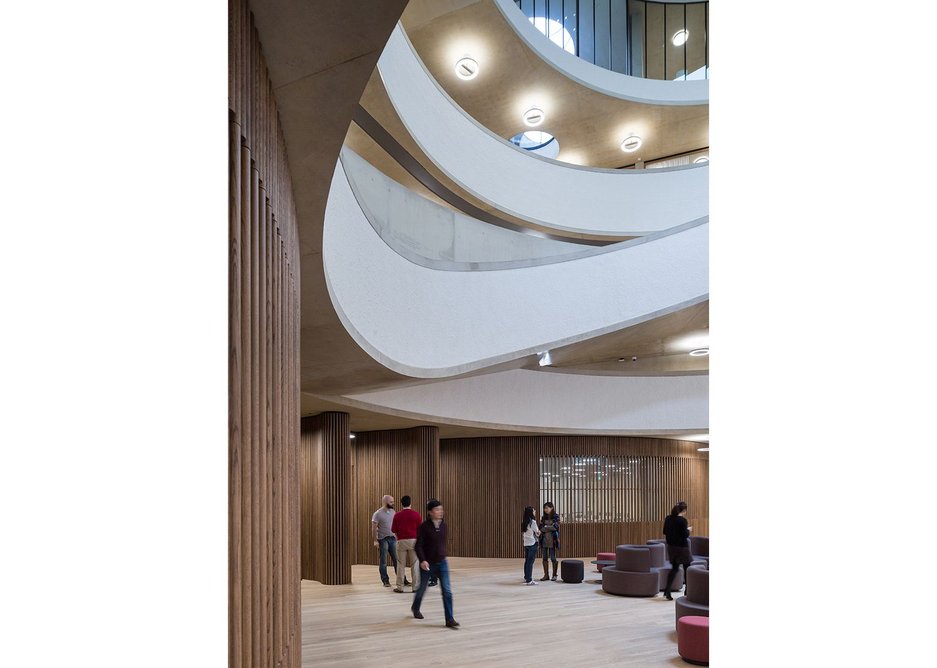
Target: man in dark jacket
431,551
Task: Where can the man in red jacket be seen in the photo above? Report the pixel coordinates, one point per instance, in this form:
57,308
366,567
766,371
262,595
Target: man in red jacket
404,526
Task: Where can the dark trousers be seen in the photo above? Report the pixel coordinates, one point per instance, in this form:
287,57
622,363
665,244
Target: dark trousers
671,576
388,545
440,571
530,554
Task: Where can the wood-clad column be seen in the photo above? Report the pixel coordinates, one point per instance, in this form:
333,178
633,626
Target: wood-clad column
263,372
325,484
395,462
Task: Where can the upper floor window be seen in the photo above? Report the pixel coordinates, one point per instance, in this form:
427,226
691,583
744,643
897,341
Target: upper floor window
641,38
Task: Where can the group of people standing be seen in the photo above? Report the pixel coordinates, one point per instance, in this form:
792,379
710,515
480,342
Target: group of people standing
546,534
412,540
406,536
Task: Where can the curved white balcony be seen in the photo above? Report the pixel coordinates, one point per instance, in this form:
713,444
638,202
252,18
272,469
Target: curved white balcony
440,237
599,79
426,323
545,192
552,402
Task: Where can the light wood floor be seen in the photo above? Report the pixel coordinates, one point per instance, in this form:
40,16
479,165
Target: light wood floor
504,623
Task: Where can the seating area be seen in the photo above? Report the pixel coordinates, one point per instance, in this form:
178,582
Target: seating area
642,571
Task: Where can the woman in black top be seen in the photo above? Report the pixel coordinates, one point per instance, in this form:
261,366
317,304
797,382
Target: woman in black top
549,538
677,532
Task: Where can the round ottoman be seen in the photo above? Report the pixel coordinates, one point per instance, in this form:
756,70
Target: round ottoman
571,570
628,583
693,639
604,556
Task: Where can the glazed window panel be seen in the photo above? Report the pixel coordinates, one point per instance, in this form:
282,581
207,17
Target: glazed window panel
629,488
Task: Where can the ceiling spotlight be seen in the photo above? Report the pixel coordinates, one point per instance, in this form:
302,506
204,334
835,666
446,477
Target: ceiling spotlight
352,435
631,144
466,69
544,358
699,352
701,159
680,37
533,117
702,449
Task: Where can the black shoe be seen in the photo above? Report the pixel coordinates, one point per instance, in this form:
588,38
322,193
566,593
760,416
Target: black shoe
668,596
386,584
406,582
553,578
432,583
545,578
452,624
416,613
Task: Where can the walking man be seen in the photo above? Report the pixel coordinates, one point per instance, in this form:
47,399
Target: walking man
405,525
431,550
383,535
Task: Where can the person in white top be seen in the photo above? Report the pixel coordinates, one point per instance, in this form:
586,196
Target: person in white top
530,532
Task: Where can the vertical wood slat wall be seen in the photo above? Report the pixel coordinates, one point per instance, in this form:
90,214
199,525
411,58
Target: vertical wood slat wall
264,538
326,491
395,462
497,477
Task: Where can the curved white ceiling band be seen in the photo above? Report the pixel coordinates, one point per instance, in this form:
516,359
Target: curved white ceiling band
552,194
426,323
551,402
599,79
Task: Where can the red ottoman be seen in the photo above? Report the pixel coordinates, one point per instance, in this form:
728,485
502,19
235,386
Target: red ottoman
604,556
693,639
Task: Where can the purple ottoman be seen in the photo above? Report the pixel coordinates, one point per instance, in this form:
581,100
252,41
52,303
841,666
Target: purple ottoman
693,639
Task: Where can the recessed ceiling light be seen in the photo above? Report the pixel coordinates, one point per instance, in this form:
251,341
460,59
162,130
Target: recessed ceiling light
533,117
699,352
352,435
702,449
466,68
701,159
680,37
631,144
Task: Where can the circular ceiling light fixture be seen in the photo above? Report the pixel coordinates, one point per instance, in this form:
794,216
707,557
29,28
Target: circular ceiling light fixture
466,68
700,160
533,117
680,37
631,143
699,352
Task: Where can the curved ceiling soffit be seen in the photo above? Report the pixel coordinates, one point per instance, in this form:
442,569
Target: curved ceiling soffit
617,203
524,400
599,79
406,203
458,322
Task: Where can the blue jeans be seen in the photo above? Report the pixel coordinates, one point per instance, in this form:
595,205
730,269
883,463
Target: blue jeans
388,544
530,554
441,571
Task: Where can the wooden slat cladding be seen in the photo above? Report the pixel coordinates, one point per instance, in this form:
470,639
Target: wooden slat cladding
264,539
325,481
395,462
498,476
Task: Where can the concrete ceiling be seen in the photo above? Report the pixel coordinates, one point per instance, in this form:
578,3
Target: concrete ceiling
588,125
331,362
364,420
